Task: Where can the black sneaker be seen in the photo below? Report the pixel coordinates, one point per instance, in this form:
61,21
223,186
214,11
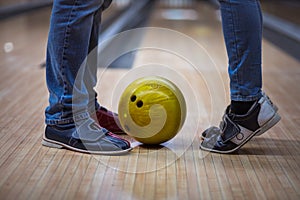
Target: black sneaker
237,130
87,137
210,130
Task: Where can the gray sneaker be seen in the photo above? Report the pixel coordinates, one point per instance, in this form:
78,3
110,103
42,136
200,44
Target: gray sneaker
237,130
204,134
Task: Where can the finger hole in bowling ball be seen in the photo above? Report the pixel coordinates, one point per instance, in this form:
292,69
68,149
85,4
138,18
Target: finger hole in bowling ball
133,98
139,103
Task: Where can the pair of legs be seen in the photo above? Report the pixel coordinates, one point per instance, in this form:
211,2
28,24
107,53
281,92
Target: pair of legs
73,120
251,112
73,34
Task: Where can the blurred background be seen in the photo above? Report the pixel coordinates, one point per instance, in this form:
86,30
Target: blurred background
20,19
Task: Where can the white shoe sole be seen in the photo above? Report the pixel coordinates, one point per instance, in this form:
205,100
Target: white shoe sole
59,145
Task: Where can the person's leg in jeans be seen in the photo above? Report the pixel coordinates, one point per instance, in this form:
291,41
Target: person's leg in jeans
72,35
106,118
251,112
242,28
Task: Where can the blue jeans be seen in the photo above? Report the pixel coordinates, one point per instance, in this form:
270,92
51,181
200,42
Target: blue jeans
242,28
74,30
73,34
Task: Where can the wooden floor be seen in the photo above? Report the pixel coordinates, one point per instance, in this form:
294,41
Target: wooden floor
265,168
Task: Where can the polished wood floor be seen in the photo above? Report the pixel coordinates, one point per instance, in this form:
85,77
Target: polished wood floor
265,168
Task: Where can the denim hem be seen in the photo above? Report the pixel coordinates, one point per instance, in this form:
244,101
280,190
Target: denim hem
59,121
246,98
71,120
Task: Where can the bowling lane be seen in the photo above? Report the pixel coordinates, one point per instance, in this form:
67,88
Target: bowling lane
284,9
213,176
23,37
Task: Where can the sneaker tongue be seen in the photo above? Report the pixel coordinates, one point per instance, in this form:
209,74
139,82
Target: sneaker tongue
231,113
89,131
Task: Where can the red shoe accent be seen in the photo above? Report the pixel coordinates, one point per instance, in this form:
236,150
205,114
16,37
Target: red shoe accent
119,138
109,120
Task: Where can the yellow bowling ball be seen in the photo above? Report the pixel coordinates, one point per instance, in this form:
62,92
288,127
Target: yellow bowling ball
152,110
